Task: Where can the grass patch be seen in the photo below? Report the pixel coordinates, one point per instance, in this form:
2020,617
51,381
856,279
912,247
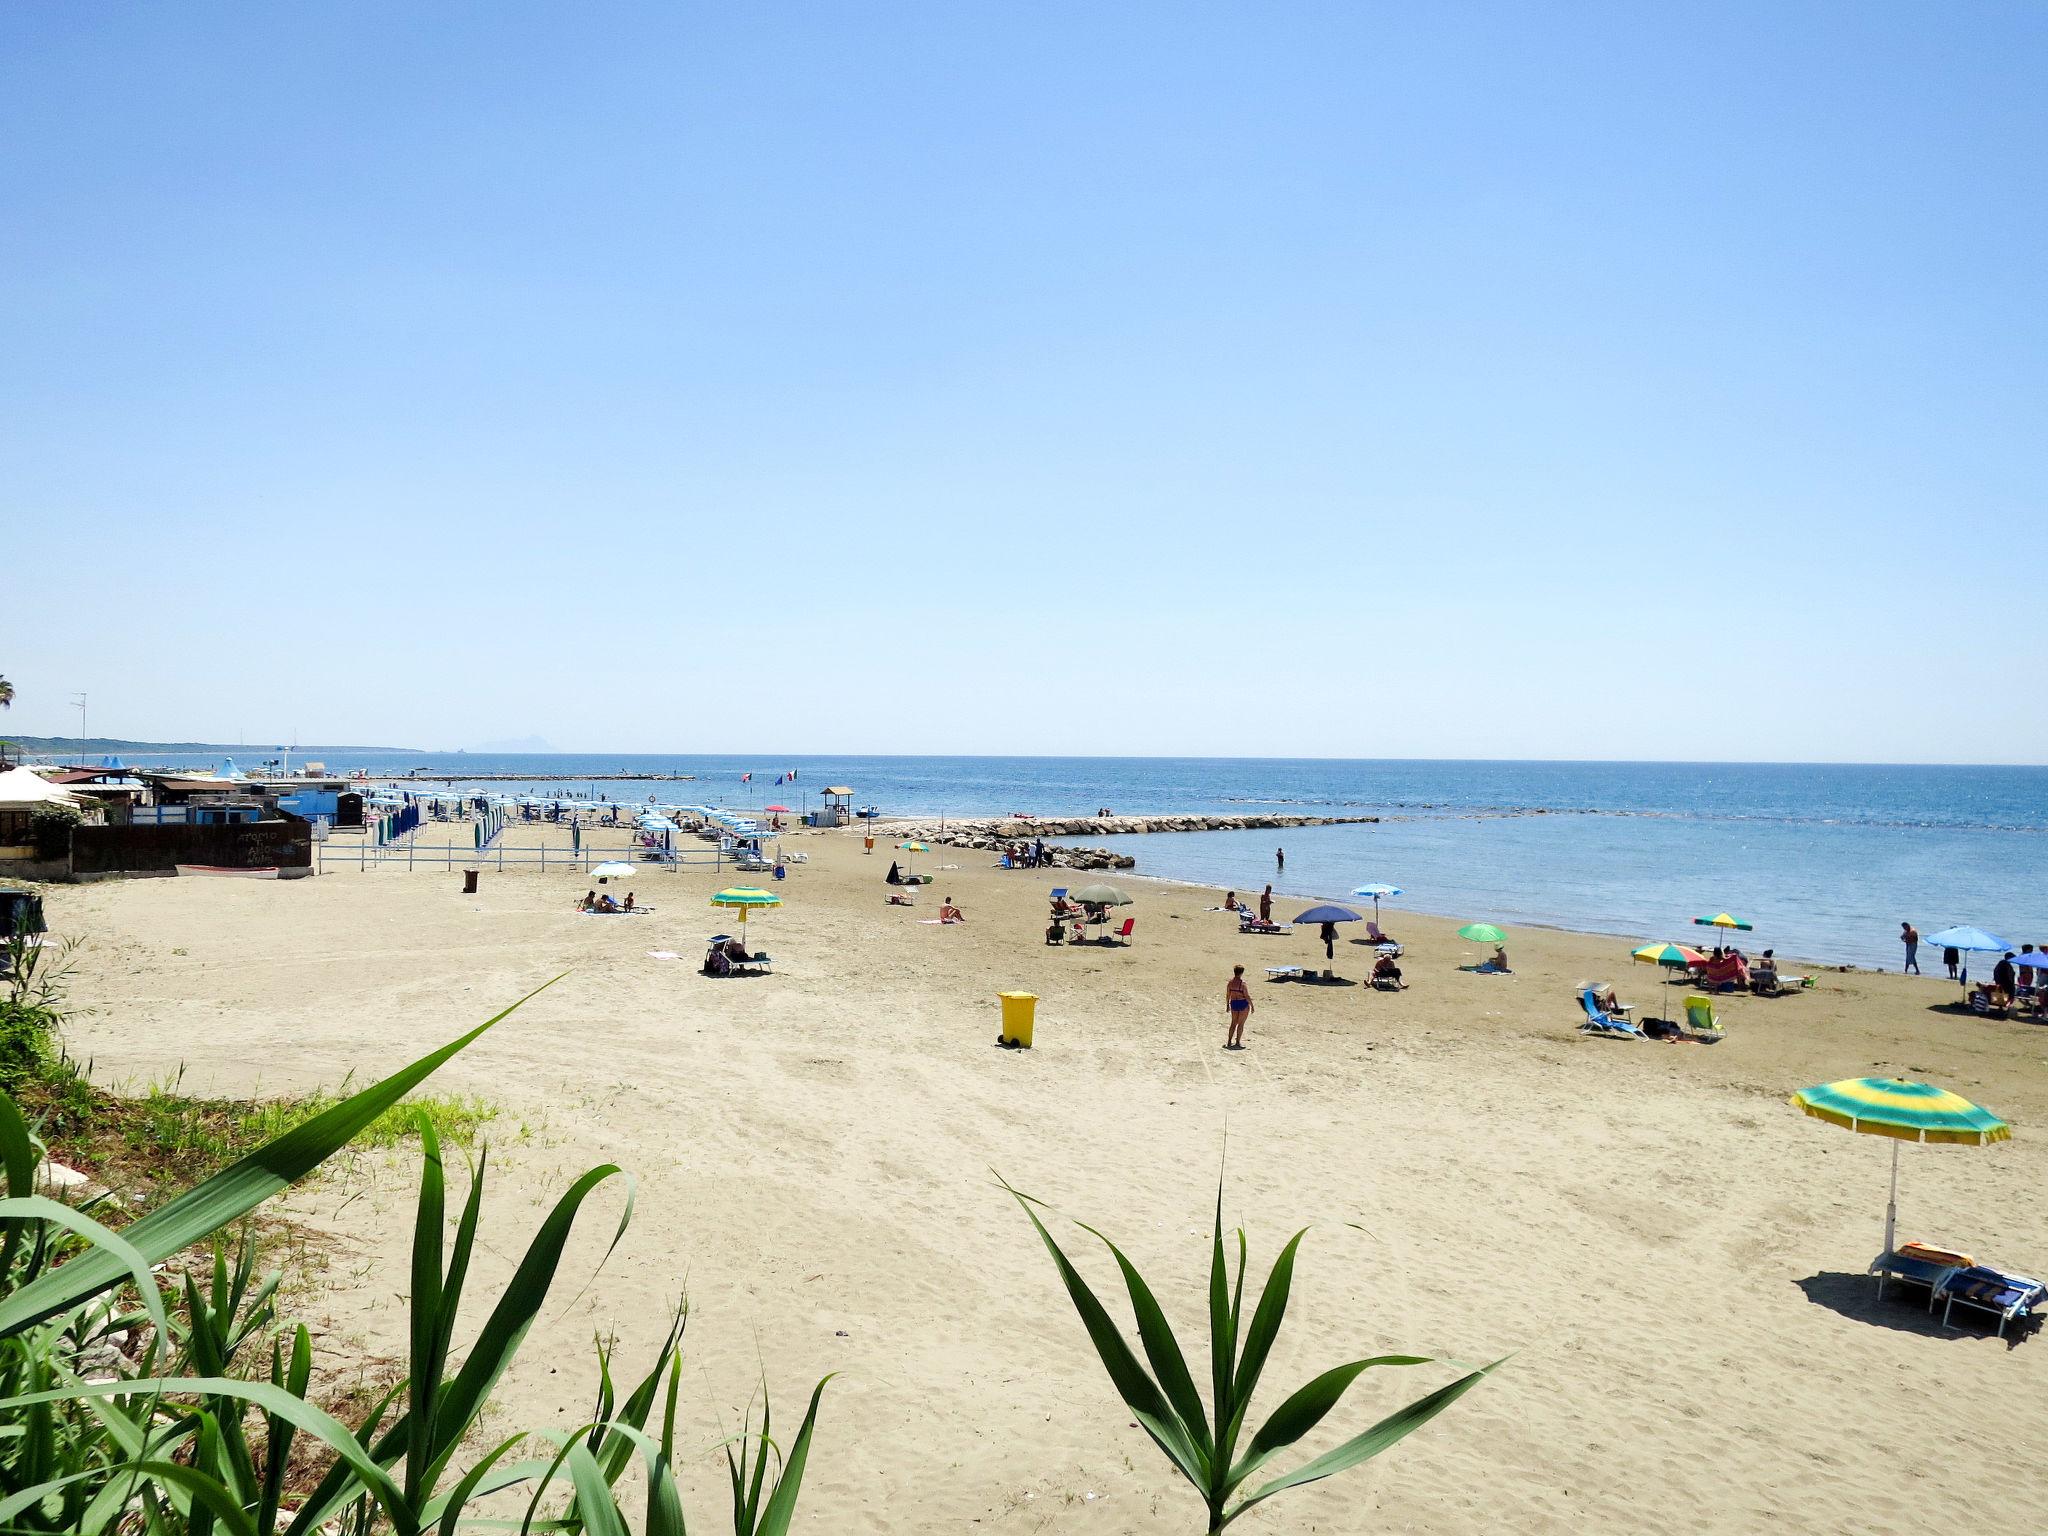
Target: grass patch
140,1141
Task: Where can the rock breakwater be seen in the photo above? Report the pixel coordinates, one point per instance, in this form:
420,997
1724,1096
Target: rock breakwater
998,832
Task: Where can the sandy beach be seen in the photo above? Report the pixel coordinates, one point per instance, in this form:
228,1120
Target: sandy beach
1670,1252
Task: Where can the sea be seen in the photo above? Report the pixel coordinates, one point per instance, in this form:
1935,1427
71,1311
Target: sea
1825,860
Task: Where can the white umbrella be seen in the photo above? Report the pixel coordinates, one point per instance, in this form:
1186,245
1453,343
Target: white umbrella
612,869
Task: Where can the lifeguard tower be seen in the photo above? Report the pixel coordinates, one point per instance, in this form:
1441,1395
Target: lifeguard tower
838,808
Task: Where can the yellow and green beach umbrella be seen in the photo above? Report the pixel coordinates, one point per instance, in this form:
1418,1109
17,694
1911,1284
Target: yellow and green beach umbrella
745,898
1724,920
912,847
1903,1111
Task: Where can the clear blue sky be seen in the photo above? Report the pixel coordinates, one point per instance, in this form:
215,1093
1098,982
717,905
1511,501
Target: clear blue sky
1348,379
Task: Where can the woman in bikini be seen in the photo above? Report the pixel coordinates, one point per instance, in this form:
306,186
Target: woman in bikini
1237,999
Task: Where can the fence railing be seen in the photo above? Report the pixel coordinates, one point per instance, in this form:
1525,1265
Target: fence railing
366,854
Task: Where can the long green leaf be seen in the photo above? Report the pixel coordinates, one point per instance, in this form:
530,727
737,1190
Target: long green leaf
425,1309
782,1502
1307,1408
1169,1365
18,1161
272,1399
1393,1427
119,1253
594,1506
1266,1320
525,1293
230,1194
1140,1393
207,1490
1222,1341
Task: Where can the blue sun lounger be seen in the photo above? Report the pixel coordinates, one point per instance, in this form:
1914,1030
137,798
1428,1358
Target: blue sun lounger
1599,1023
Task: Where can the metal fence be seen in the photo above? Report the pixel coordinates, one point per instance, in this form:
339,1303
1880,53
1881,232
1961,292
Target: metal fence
365,854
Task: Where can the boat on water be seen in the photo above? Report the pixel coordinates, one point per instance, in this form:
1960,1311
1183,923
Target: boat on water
262,872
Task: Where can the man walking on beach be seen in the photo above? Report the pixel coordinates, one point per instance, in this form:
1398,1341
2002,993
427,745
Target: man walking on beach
1910,937
1237,1002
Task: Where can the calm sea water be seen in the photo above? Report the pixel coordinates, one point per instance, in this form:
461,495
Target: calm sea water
1826,860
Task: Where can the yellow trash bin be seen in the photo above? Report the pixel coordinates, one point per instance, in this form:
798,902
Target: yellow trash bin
1020,1010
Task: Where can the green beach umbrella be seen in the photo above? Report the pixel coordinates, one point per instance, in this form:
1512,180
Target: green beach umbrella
1482,933
912,847
1723,920
745,898
1903,1111
1099,896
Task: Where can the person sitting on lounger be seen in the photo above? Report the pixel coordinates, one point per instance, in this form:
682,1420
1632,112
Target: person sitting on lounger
1989,997
948,913
736,951
1605,1000
1386,969
1763,976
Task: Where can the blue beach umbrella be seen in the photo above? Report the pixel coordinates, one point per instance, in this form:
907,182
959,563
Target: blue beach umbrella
2033,960
1377,892
1328,913
1968,939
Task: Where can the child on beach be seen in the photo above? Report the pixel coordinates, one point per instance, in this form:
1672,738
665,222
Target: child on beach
1237,1001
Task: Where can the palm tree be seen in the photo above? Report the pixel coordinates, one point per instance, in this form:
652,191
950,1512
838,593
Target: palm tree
6,694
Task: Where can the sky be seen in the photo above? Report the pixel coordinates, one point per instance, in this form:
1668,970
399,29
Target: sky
1463,380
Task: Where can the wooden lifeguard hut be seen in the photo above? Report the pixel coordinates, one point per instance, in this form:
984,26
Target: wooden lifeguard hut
838,809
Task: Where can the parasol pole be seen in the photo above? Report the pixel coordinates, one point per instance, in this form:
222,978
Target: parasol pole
1891,1208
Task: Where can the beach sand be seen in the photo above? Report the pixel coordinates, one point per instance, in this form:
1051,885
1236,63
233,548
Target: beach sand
1671,1254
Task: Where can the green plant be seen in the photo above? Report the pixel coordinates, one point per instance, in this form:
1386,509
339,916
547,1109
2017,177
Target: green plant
1203,1443
32,1006
199,1439
49,828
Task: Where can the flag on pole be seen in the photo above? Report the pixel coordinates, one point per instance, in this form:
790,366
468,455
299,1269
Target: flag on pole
778,781
746,778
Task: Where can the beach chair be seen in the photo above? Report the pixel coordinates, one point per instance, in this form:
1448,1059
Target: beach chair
1248,922
1284,973
2009,1298
1059,892
1599,1022
1700,1023
1372,932
1123,934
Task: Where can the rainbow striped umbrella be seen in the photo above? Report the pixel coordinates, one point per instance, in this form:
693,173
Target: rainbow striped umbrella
1677,956
745,898
1904,1111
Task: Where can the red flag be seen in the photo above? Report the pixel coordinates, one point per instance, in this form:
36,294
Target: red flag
746,778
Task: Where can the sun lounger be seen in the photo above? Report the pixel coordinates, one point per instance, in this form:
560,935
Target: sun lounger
1600,1022
1284,973
1249,924
1913,1271
2007,1297
1372,932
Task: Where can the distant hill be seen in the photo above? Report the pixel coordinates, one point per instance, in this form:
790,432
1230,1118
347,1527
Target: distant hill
100,746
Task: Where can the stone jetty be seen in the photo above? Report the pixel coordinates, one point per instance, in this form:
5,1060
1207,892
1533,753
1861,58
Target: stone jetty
995,833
